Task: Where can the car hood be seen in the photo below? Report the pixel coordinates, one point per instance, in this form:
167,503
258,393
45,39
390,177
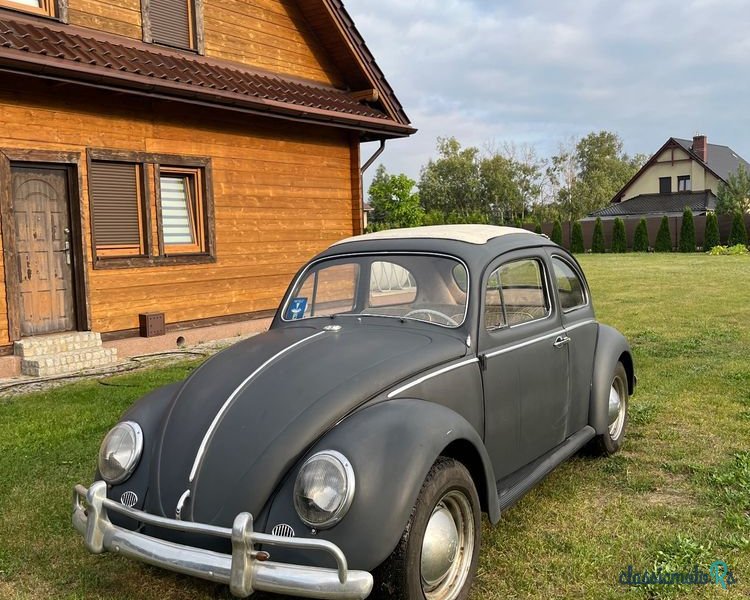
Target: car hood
251,411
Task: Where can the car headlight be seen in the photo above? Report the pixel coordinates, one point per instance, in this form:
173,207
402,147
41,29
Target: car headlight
324,489
120,452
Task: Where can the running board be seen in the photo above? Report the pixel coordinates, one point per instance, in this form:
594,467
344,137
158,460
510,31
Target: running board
540,468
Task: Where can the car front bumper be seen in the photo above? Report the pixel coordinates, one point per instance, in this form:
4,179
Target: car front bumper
245,570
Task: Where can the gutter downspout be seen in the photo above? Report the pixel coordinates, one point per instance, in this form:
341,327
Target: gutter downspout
364,168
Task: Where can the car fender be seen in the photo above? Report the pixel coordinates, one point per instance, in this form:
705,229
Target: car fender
391,447
611,348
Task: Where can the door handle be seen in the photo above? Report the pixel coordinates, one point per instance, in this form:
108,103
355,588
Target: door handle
562,340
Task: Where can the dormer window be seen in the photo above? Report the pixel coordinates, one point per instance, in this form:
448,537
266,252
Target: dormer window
173,23
39,7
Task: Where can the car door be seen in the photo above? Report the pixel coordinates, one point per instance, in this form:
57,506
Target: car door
581,328
525,362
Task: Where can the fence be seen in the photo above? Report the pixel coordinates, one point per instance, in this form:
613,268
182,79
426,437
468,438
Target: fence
652,224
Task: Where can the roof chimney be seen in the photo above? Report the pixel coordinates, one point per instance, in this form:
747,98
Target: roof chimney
700,147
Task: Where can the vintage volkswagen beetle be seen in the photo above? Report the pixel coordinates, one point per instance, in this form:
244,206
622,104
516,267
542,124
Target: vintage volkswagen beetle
411,380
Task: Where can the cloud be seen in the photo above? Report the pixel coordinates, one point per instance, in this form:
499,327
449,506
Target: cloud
538,71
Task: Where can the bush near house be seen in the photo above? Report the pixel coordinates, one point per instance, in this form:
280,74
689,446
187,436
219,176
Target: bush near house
687,232
597,243
739,231
663,237
557,233
576,239
640,241
711,237
619,241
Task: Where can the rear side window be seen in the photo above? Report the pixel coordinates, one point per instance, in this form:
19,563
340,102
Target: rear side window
516,294
569,285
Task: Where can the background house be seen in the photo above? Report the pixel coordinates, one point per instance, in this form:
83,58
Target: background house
182,157
682,173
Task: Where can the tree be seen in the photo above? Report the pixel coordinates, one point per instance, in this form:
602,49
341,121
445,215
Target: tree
663,237
734,195
687,231
450,184
597,242
640,241
394,201
557,233
538,228
500,195
711,237
739,231
619,239
576,239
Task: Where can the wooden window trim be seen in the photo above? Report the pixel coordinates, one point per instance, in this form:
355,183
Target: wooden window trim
151,162
195,205
195,26
51,9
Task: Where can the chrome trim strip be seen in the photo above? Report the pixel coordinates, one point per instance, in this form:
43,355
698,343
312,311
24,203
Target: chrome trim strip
424,378
298,279
244,570
234,394
538,339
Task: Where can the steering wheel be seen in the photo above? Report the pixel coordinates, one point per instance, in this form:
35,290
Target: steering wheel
430,313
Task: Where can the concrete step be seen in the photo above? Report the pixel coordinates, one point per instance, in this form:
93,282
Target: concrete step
57,343
64,363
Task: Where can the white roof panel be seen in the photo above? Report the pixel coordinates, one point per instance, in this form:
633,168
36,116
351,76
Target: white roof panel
473,234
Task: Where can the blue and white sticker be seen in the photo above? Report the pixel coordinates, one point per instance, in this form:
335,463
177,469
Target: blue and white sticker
296,309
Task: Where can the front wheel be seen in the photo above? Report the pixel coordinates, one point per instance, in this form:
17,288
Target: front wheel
437,555
617,414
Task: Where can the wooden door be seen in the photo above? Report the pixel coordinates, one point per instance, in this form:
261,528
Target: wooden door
42,248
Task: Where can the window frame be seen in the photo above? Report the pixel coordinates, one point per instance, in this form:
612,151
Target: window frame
51,9
195,205
686,180
579,275
195,27
154,254
663,179
546,289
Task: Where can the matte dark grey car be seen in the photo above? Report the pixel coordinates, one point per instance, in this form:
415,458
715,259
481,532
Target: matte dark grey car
411,380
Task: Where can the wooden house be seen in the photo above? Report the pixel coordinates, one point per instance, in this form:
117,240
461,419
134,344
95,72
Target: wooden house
182,157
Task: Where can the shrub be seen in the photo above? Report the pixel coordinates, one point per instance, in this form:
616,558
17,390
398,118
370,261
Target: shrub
640,241
731,250
576,239
597,242
711,235
557,233
619,240
687,231
538,228
663,237
739,232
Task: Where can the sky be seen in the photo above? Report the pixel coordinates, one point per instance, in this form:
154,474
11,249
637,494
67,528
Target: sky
542,71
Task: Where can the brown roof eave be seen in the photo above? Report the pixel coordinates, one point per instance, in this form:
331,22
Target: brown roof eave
79,73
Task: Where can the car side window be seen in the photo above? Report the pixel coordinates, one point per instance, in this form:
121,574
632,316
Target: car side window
569,285
516,294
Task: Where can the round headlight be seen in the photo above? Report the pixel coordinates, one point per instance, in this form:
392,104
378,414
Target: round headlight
120,452
324,489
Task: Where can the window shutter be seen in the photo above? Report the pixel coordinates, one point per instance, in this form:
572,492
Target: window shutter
113,188
171,22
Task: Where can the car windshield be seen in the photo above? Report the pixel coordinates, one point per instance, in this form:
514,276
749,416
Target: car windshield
421,287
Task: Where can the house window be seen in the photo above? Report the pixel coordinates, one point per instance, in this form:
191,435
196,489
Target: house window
117,221
665,185
171,23
683,183
40,7
182,210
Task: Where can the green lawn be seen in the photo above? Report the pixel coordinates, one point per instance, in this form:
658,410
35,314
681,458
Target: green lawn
678,495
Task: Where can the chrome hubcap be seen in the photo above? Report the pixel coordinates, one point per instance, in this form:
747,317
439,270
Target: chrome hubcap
616,408
447,547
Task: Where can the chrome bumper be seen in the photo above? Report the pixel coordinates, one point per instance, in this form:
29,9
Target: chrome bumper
245,570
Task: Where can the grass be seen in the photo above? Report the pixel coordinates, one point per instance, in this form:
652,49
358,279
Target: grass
678,495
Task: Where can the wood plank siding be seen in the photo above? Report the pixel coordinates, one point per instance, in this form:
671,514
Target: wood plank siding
269,34
281,192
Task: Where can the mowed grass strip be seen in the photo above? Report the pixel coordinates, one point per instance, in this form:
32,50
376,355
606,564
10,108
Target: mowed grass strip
678,495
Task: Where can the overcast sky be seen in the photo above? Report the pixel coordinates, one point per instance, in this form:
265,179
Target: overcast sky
541,71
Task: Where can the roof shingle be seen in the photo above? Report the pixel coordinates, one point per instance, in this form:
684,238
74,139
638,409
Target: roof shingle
649,204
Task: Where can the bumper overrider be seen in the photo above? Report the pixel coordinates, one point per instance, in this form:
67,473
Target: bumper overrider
246,570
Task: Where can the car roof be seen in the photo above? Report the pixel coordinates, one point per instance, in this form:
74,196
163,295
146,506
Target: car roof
472,234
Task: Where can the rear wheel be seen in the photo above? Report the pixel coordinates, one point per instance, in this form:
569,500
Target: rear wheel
437,555
617,414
